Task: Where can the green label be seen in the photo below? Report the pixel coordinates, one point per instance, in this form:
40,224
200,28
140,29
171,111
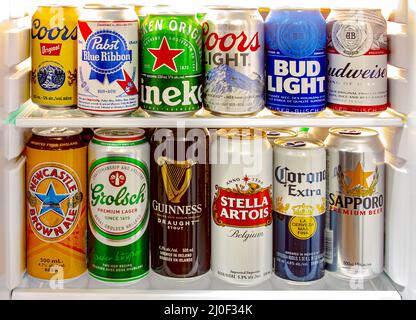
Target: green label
171,78
118,218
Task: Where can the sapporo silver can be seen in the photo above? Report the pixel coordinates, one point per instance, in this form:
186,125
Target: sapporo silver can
299,198
234,60
357,62
355,222
241,226
108,60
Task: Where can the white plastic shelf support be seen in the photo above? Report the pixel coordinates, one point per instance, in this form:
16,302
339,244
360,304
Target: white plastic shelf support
30,115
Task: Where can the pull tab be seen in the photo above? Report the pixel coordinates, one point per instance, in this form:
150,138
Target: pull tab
350,132
295,144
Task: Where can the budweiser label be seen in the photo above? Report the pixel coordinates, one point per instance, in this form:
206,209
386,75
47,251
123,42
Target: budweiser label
357,57
242,219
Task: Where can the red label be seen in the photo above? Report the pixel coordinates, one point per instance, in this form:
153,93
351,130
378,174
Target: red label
230,41
50,49
355,108
242,209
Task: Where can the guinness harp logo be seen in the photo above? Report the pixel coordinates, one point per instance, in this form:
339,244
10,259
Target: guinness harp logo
176,176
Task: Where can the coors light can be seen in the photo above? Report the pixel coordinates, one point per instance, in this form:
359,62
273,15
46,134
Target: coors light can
241,227
357,62
355,220
234,60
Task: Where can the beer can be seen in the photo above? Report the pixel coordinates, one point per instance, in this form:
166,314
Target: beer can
295,61
54,56
234,60
355,223
241,188
357,62
272,134
171,69
108,65
299,198
180,203
118,250
56,181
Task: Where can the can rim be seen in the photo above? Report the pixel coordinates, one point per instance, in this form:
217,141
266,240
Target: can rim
241,133
95,6
160,10
56,132
129,134
353,132
230,7
283,143
355,9
271,131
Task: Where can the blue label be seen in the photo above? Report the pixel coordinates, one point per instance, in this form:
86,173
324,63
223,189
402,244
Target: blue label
51,77
106,53
296,62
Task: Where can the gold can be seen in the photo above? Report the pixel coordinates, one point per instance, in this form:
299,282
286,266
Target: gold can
54,56
56,179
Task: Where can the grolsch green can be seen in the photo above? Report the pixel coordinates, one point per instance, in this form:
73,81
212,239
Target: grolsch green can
171,78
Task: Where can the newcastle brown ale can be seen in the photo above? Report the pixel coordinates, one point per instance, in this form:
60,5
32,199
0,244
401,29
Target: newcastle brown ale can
180,204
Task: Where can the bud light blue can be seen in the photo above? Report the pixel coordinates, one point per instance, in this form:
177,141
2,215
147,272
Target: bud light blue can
296,61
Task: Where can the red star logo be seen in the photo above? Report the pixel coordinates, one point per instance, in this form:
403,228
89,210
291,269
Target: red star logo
165,56
246,179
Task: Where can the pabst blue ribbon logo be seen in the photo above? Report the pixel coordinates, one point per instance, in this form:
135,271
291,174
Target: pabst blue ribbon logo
54,202
106,53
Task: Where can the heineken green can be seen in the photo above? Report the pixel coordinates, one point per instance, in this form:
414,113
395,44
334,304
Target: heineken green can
118,212
171,70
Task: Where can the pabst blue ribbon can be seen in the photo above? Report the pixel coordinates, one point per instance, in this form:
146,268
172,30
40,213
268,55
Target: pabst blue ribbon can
108,53
355,222
118,215
357,62
299,190
234,60
241,226
295,61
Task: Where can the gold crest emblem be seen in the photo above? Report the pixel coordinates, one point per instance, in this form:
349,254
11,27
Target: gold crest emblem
354,183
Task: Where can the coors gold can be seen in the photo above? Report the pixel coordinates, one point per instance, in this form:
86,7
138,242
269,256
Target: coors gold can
241,226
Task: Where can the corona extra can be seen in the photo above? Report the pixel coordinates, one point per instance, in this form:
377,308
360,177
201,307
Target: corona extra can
118,215
355,224
108,65
357,62
295,61
234,60
299,190
171,69
54,56
56,182
180,203
241,226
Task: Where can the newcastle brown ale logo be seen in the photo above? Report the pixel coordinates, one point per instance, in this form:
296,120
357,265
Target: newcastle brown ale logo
176,177
247,205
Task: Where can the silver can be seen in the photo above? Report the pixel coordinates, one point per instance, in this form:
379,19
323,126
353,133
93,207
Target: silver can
273,134
108,60
355,220
234,60
299,194
241,226
118,211
357,62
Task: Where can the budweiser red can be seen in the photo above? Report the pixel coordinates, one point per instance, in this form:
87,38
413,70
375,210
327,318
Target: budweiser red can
241,226
357,62
234,60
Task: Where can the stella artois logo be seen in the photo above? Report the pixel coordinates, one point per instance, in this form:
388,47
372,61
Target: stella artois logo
355,183
247,205
54,201
176,177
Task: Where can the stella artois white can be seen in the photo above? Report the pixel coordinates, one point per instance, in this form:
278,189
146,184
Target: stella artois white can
357,62
241,227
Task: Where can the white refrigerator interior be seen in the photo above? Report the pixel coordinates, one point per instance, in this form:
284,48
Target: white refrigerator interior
398,128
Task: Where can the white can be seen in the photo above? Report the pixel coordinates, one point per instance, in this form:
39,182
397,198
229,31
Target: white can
241,226
108,66
357,62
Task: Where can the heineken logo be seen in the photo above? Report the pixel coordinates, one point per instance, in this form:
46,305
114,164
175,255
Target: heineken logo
165,56
118,198
54,198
